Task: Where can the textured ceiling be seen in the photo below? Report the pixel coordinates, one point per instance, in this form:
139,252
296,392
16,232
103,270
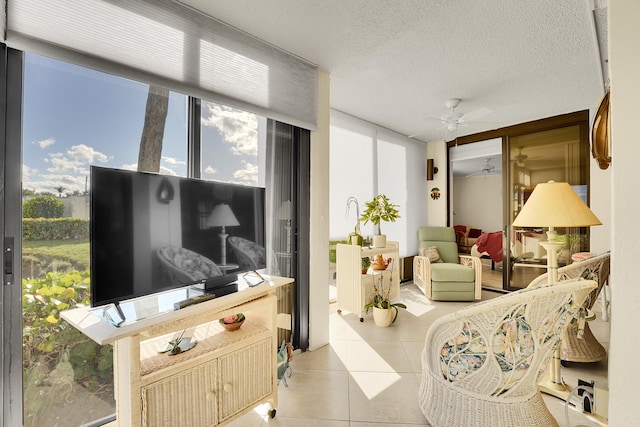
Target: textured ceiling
396,62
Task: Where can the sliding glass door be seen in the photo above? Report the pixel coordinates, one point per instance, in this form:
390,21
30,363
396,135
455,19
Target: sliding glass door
538,157
493,174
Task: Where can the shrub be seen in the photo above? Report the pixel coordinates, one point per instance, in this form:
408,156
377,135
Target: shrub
43,206
46,336
55,228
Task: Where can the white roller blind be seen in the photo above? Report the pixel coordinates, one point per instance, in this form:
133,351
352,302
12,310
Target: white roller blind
165,43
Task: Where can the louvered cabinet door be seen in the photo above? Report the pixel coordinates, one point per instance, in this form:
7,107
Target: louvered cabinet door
246,376
188,398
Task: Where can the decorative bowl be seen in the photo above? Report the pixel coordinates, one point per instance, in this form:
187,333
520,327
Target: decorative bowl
233,322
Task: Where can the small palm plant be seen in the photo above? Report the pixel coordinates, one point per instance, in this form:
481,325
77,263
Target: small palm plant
380,209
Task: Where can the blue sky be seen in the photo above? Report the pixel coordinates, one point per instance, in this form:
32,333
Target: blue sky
75,117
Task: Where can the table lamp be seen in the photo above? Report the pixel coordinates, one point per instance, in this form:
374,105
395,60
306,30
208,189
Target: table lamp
554,204
222,216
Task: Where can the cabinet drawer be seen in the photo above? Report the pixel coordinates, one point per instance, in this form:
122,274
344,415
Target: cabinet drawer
246,376
185,399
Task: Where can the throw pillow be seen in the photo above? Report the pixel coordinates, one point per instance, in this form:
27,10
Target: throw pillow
431,253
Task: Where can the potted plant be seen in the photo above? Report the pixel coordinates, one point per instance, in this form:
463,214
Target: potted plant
385,312
366,262
377,210
355,238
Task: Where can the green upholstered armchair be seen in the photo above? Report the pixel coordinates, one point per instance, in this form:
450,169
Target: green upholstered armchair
442,274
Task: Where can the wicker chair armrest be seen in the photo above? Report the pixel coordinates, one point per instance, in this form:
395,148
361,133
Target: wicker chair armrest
422,273
475,263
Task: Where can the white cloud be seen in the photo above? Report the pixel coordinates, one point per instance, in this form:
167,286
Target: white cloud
76,160
84,153
44,143
238,128
248,174
173,161
166,171
210,170
61,164
130,166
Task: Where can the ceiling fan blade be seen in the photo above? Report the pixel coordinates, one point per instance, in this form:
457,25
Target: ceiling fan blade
476,114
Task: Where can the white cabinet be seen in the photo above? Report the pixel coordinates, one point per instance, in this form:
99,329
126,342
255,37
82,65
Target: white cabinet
224,376
354,289
214,390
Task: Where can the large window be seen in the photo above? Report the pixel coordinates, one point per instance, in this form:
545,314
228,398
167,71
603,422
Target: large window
74,117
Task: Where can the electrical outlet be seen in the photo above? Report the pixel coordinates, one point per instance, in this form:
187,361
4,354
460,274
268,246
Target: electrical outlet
587,396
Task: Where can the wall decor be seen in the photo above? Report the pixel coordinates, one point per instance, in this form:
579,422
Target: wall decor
435,193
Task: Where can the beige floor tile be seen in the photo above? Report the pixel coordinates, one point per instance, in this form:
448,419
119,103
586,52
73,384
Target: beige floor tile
331,357
377,356
319,395
384,397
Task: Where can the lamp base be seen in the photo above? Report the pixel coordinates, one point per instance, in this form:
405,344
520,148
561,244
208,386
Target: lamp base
561,391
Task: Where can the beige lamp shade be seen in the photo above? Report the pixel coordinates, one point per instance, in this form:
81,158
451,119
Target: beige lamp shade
222,216
555,204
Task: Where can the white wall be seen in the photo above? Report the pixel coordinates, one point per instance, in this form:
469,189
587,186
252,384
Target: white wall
437,208
477,202
319,222
367,160
624,377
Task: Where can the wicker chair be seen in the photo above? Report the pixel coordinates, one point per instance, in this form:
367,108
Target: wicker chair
481,365
182,266
443,274
252,256
582,346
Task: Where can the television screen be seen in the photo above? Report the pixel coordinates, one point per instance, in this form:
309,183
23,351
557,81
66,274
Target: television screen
151,233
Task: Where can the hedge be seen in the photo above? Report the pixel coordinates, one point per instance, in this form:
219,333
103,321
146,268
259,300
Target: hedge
55,228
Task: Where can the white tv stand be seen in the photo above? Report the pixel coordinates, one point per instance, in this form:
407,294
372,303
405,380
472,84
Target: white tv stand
223,377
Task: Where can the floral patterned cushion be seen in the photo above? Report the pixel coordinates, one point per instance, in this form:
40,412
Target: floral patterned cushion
189,263
512,346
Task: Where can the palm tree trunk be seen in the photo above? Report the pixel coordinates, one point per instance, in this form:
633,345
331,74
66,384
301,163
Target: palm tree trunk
153,131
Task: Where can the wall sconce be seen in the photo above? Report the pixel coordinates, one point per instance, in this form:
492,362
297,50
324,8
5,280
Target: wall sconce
431,169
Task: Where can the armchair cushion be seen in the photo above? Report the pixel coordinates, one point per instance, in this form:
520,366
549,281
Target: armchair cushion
446,272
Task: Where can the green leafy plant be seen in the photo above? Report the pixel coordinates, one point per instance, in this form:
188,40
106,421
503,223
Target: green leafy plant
366,263
47,337
378,210
381,298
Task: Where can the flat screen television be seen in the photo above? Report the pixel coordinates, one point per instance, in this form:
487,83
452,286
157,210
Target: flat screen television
152,232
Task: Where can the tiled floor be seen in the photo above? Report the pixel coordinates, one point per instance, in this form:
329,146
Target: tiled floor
369,376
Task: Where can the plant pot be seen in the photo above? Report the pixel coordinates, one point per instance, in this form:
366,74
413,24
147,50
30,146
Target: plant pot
384,317
379,241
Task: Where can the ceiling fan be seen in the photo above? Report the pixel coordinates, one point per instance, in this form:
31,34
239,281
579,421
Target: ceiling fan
520,158
487,169
454,119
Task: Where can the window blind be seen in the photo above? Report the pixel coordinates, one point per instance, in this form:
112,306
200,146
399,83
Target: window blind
165,43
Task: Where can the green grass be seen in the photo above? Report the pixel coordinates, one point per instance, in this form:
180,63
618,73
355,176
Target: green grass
74,251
